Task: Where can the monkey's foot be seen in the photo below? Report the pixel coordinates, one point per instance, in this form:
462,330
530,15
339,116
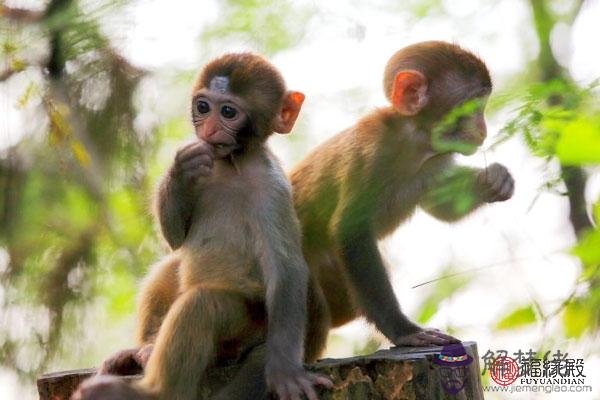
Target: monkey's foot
106,387
127,362
297,386
426,337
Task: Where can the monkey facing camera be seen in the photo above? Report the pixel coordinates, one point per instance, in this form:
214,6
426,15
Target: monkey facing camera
236,282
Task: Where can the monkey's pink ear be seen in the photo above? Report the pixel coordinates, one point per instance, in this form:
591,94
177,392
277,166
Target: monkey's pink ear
292,103
409,94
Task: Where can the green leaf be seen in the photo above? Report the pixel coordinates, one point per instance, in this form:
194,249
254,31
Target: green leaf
588,248
518,318
428,310
579,142
577,318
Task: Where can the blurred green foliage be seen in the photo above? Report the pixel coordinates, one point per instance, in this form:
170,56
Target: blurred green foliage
560,122
266,24
518,318
579,316
76,231
450,283
558,119
75,228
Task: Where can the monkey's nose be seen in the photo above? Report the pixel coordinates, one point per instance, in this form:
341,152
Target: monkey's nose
481,129
209,132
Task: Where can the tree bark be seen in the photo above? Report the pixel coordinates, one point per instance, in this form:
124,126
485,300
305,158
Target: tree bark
394,374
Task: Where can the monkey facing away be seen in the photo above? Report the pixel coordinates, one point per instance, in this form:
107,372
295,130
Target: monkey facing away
237,280
364,182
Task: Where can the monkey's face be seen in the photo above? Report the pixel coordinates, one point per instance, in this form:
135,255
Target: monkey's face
462,129
219,117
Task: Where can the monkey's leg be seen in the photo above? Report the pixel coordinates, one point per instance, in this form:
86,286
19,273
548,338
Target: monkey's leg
318,324
337,291
157,294
187,340
249,383
107,387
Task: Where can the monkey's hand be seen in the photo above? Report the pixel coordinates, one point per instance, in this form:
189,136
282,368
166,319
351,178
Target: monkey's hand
495,183
425,337
193,162
293,384
127,362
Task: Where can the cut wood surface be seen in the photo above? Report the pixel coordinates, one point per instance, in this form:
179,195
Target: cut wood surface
394,374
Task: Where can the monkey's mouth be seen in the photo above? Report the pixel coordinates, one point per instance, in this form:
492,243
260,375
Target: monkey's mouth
467,145
455,142
224,149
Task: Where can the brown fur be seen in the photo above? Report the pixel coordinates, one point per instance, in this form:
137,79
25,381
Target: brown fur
449,63
236,284
251,77
361,184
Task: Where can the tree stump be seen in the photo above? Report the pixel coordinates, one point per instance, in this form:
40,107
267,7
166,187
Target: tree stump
396,374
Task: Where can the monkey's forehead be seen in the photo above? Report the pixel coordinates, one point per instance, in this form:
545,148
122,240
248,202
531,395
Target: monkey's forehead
455,87
230,85
244,74
219,84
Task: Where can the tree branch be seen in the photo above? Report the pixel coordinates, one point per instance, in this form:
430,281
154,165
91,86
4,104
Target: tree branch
543,22
7,73
575,180
21,14
573,177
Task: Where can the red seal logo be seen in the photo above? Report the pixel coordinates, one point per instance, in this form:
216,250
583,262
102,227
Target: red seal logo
504,371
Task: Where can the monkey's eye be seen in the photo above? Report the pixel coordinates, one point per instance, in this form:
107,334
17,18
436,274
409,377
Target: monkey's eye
202,107
228,112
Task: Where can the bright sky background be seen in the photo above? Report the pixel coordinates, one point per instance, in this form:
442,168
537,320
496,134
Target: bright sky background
345,49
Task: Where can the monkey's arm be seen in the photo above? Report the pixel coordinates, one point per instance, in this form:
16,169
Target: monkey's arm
461,190
357,246
286,278
174,209
358,249
179,188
